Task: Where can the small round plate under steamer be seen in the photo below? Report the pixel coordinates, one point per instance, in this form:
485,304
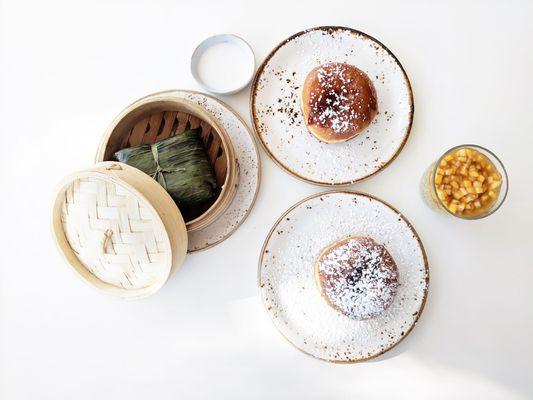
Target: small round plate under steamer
249,162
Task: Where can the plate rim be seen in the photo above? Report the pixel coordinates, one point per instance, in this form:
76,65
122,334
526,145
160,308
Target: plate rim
253,95
256,148
372,197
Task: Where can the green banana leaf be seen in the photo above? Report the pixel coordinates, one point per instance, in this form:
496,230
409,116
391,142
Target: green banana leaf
180,164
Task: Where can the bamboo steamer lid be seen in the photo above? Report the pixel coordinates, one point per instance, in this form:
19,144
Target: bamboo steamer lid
119,230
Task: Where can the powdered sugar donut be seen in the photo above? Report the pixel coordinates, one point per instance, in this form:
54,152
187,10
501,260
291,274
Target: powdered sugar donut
338,102
357,277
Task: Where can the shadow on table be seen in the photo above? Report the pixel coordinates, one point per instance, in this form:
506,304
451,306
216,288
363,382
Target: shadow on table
474,321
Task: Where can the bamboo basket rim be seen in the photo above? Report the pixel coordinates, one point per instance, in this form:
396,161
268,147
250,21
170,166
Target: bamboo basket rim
227,191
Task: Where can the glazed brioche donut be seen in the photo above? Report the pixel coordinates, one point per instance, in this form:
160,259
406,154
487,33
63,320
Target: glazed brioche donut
357,277
338,101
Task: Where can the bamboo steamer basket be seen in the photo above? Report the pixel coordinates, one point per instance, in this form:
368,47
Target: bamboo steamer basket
155,118
116,226
119,229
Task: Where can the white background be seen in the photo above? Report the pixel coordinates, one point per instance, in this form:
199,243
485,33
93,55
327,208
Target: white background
69,68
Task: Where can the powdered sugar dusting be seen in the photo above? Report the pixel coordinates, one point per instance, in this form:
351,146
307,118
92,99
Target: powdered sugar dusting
293,298
358,277
342,100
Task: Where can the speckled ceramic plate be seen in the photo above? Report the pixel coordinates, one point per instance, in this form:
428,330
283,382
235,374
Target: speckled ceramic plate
249,171
293,298
278,122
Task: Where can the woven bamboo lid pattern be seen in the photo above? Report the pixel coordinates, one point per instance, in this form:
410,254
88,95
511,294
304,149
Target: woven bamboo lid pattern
119,229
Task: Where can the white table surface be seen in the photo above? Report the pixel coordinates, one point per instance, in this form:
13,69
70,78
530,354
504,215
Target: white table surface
69,68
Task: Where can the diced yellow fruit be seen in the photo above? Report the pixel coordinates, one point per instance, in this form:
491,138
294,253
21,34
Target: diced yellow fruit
469,198
467,182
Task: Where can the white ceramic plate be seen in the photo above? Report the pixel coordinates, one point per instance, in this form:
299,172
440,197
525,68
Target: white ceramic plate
278,122
249,171
293,299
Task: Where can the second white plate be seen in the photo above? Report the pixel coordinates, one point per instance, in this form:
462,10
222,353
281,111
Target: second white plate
293,299
278,122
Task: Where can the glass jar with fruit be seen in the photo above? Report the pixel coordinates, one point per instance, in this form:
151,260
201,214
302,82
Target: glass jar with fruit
467,181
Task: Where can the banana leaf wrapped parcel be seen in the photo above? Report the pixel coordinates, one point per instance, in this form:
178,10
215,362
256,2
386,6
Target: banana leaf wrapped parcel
180,164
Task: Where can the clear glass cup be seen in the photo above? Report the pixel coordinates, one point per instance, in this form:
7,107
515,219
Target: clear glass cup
429,189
